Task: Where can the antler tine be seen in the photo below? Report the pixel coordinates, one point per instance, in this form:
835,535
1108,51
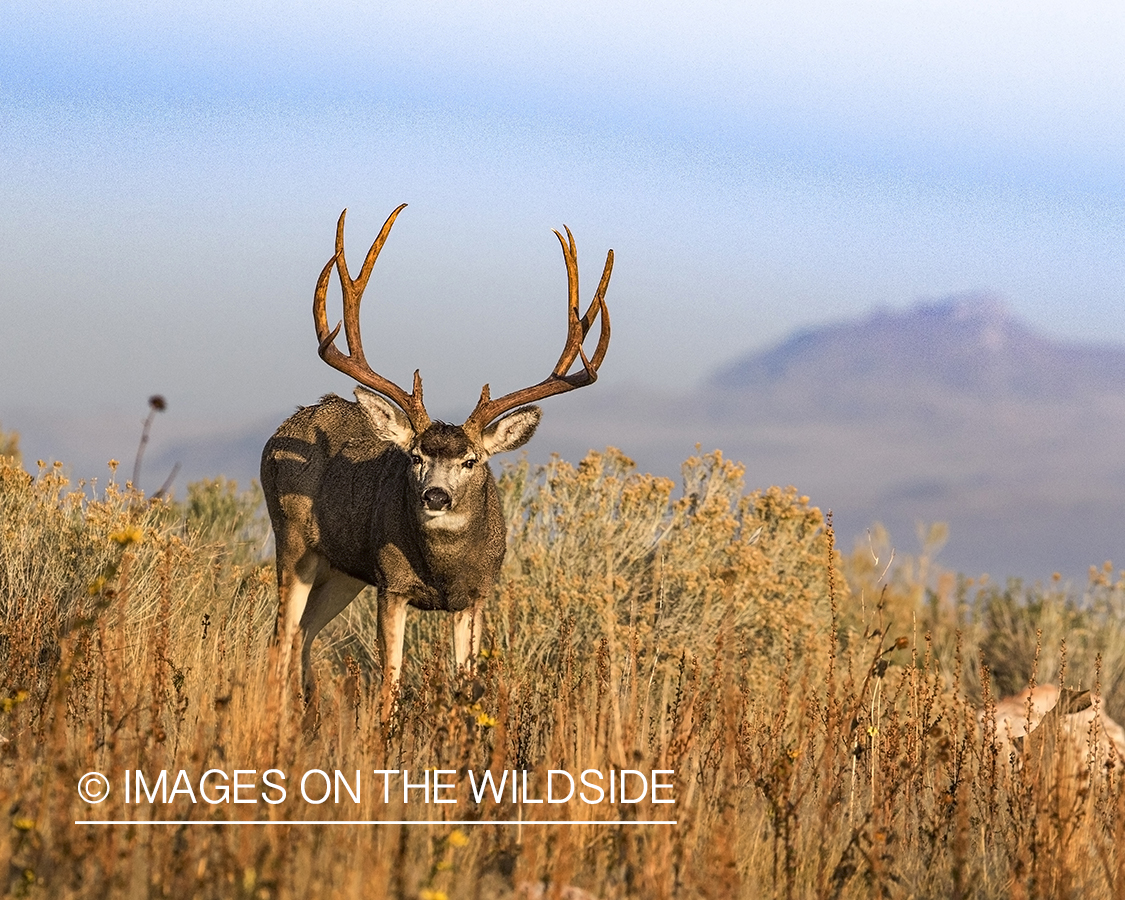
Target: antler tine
596,305
355,363
599,299
575,326
353,288
578,326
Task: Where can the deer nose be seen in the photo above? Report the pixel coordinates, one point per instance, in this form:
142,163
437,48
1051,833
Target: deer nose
436,499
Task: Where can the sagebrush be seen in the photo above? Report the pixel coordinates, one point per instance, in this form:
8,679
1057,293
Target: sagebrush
820,714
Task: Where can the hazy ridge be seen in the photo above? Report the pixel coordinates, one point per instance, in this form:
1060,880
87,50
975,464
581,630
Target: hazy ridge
947,411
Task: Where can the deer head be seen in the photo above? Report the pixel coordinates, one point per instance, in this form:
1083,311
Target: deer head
445,459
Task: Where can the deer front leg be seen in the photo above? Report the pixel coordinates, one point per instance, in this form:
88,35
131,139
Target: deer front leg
466,636
392,628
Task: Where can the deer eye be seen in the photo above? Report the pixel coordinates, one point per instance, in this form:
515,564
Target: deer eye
415,459
469,463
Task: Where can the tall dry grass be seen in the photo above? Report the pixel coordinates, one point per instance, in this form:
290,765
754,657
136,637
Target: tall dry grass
820,721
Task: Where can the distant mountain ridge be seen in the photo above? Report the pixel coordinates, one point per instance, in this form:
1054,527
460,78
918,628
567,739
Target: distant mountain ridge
969,345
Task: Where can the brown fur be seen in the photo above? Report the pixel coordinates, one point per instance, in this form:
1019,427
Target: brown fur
347,510
1063,737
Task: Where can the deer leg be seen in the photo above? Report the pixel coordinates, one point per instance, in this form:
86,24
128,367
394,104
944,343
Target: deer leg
466,637
327,599
392,628
293,587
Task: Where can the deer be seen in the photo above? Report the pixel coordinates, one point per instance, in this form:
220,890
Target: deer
375,492
1077,712
1063,736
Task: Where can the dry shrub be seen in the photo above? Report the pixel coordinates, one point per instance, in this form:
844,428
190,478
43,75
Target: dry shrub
599,550
10,447
1019,633
821,743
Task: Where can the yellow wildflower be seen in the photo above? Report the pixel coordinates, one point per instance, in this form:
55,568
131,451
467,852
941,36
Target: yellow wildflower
7,704
129,535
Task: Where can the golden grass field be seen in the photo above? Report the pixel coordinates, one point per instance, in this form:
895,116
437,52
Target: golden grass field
818,708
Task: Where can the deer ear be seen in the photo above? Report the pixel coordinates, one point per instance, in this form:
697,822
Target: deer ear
511,431
387,421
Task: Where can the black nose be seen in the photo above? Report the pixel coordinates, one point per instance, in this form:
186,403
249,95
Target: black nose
436,498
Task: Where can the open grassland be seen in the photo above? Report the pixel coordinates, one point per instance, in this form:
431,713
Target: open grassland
818,709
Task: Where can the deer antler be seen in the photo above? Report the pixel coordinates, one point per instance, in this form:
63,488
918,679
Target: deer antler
577,328
355,364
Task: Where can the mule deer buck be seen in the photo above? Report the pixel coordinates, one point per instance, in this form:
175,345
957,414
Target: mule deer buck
375,492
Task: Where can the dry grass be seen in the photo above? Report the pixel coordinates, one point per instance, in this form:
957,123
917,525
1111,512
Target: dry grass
821,724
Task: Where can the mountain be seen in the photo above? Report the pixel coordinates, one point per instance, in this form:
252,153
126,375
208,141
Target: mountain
965,347
953,411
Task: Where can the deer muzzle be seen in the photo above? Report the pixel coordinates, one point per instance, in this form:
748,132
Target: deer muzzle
436,500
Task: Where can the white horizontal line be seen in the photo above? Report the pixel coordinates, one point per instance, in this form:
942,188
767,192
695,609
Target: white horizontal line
373,822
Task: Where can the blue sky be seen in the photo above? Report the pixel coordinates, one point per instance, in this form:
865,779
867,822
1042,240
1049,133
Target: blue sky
172,177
